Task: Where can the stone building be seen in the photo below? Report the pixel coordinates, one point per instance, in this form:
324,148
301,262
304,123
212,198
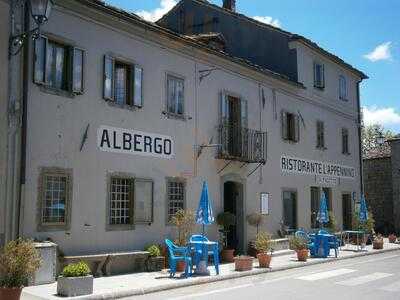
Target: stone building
382,188
122,119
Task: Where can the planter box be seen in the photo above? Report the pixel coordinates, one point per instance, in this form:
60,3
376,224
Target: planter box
74,286
377,245
47,272
243,263
155,264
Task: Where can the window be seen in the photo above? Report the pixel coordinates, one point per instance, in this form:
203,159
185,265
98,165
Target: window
55,192
290,209
345,141
175,196
130,201
319,76
315,199
175,96
320,135
347,211
123,82
290,127
58,66
342,88
121,201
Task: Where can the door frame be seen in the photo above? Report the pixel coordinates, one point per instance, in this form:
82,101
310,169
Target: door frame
241,227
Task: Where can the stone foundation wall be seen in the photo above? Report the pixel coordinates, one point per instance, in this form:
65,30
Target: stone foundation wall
379,192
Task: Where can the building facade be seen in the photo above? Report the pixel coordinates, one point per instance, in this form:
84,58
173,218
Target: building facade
125,119
382,181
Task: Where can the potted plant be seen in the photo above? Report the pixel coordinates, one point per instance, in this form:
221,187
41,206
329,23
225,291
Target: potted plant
155,261
332,224
225,220
263,245
299,244
19,260
377,243
255,220
392,238
367,227
243,263
184,220
75,280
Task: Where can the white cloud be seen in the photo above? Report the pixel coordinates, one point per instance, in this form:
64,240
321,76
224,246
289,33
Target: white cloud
381,52
268,20
157,13
387,116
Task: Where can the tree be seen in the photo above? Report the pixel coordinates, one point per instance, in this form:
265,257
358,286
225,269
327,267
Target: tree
369,135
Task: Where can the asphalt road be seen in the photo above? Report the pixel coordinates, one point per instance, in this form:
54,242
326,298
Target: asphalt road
368,278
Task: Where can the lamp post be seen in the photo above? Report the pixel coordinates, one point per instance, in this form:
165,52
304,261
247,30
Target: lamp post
380,139
40,11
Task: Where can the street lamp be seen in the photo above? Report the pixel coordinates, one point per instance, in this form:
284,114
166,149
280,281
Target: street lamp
40,12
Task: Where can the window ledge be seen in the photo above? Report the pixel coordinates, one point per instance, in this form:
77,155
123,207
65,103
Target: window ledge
52,227
182,117
321,148
290,141
120,227
321,88
58,92
123,106
346,153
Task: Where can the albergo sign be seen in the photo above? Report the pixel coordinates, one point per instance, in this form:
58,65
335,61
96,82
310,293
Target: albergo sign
119,140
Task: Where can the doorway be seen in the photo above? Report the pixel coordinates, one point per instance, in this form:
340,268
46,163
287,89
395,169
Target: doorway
347,211
233,203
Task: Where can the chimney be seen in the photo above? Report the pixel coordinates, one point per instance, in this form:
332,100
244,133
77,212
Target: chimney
229,5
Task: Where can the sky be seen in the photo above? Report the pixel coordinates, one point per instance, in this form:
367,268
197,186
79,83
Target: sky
365,33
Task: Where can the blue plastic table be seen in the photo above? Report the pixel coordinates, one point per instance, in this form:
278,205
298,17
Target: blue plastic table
206,248
321,246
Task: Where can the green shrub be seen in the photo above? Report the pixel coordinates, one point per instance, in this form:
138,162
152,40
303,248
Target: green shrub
297,243
153,250
19,260
79,269
264,242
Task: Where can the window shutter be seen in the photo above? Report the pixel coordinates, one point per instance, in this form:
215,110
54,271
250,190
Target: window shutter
143,201
315,75
108,84
223,105
296,128
318,135
40,60
223,128
322,76
137,86
284,126
322,134
77,58
243,113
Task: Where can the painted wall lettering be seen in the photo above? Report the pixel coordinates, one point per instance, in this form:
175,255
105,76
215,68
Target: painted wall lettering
311,167
119,140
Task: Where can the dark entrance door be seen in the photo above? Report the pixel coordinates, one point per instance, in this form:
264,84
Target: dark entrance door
347,211
232,204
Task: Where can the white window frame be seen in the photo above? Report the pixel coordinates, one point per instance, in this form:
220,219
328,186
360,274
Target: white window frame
319,82
175,113
343,90
168,199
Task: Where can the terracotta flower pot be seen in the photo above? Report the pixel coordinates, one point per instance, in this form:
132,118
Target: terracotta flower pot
10,293
243,263
302,254
377,245
392,238
180,266
264,259
227,255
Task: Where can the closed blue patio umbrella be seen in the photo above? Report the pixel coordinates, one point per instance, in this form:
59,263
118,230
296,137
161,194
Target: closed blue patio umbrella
323,216
363,213
204,214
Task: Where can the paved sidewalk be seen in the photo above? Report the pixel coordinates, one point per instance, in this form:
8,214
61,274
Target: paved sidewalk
143,283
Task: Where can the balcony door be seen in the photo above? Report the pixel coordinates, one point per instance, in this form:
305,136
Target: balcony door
234,123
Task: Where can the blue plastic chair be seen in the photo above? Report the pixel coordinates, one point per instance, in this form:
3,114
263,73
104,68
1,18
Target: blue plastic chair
178,254
322,242
334,244
323,231
198,251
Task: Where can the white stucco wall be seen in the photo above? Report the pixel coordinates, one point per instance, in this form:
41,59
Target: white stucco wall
56,125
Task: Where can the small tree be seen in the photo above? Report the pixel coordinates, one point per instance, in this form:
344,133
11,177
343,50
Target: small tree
369,135
332,224
184,220
225,220
255,220
19,260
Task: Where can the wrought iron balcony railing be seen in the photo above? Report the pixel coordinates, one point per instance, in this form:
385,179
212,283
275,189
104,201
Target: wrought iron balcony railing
242,144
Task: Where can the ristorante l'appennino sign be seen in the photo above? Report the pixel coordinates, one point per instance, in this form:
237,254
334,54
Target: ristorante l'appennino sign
311,167
118,140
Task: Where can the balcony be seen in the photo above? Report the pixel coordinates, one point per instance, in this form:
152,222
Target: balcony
242,144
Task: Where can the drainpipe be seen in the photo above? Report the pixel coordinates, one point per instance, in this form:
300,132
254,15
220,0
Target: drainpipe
359,122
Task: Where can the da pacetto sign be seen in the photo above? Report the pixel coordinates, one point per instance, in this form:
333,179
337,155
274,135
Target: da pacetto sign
127,141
